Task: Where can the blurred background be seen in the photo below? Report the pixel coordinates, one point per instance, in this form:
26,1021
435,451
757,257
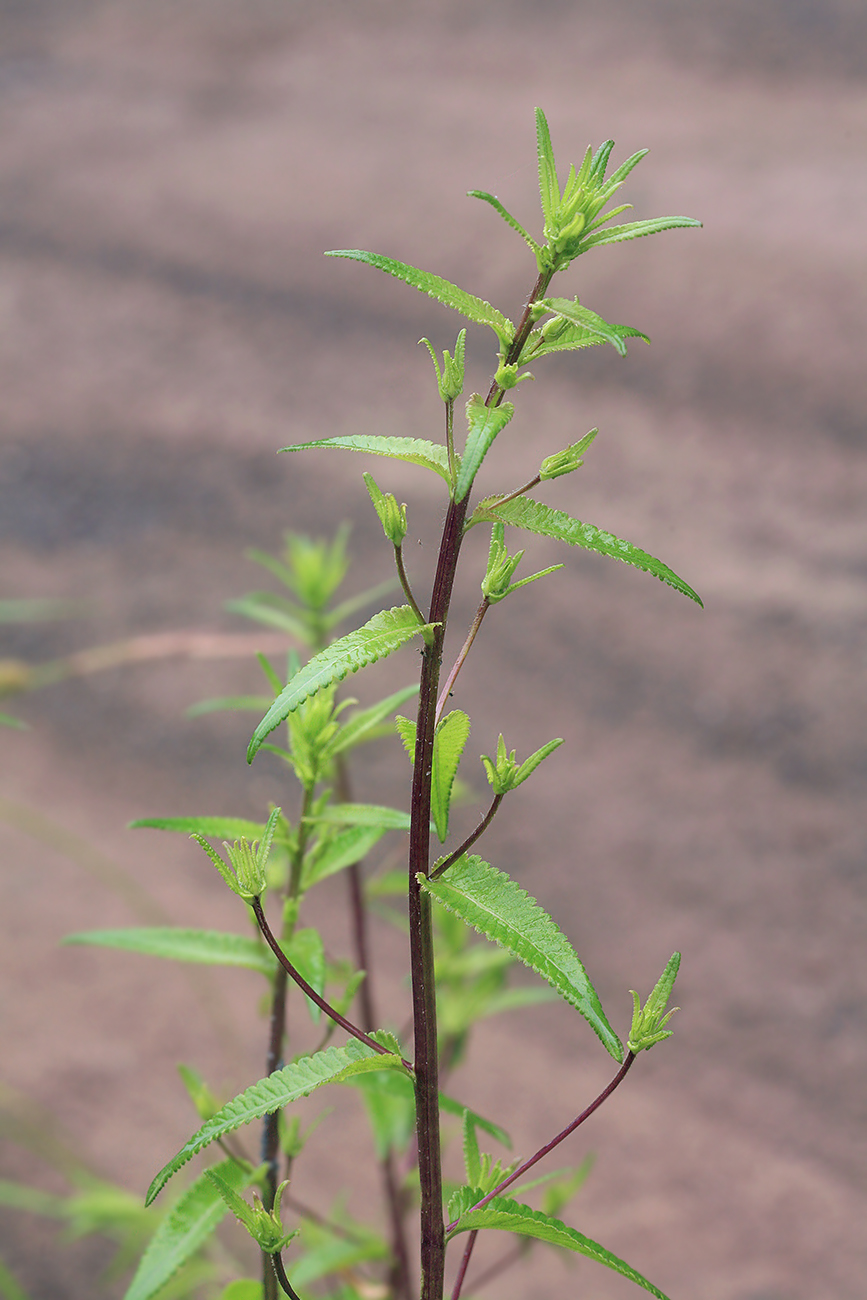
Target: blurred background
171,173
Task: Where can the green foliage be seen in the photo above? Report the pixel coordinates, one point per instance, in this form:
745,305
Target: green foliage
203,947
475,309
450,738
245,874
504,774
484,422
534,517
391,515
189,1223
598,330
414,450
649,1021
218,828
510,1216
334,1065
497,907
380,636
450,380
263,1225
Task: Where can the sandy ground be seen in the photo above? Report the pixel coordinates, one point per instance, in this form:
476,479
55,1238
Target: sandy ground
171,173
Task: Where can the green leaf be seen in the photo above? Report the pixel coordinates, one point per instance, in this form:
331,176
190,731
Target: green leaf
507,216
417,451
272,611
450,738
184,1229
364,814
218,828
229,703
510,1216
9,720
637,229
390,1104
328,1253
365,724
243,1288
485,422
453,1107
381,635
306,952
334,1065
202,947
340,851
497,907
534,517
548,186
572,311
475,309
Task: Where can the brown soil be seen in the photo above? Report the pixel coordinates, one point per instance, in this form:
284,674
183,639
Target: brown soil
171,174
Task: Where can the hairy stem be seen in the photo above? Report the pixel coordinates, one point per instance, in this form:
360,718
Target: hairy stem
420,927
549,1146
280,1274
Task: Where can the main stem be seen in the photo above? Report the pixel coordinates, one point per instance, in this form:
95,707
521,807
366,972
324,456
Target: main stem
420,926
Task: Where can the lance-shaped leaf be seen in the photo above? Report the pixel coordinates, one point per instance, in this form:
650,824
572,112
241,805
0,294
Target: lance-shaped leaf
485,422
450,738
184,1229
201,947
417,451
280,1089
534,517
219,828
475,309
449,741
572,311
380,636
636,229
511,1216
364,814
498,908
340,851
507,217
365,724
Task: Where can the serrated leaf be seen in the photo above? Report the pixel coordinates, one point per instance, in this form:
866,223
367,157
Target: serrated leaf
534,517
184,1229
507,216
379,636
475,309
450,738
549,189
366,722
364,814
201,947
219,828
390,1105
334,1065
485,422
497,907
637,229
510,1216
417,451
340,851
584,318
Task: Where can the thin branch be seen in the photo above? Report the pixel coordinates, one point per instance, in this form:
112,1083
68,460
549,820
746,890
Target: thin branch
404,582
459,662
465,1263
518,492
277,1262
545,1150
332,1012
469,841
504,1263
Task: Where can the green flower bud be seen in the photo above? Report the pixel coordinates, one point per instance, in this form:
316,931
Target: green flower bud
564,462
497,581
246,875
450,380
649,1021
391,515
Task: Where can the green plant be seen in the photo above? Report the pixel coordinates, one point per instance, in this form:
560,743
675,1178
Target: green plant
455,978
